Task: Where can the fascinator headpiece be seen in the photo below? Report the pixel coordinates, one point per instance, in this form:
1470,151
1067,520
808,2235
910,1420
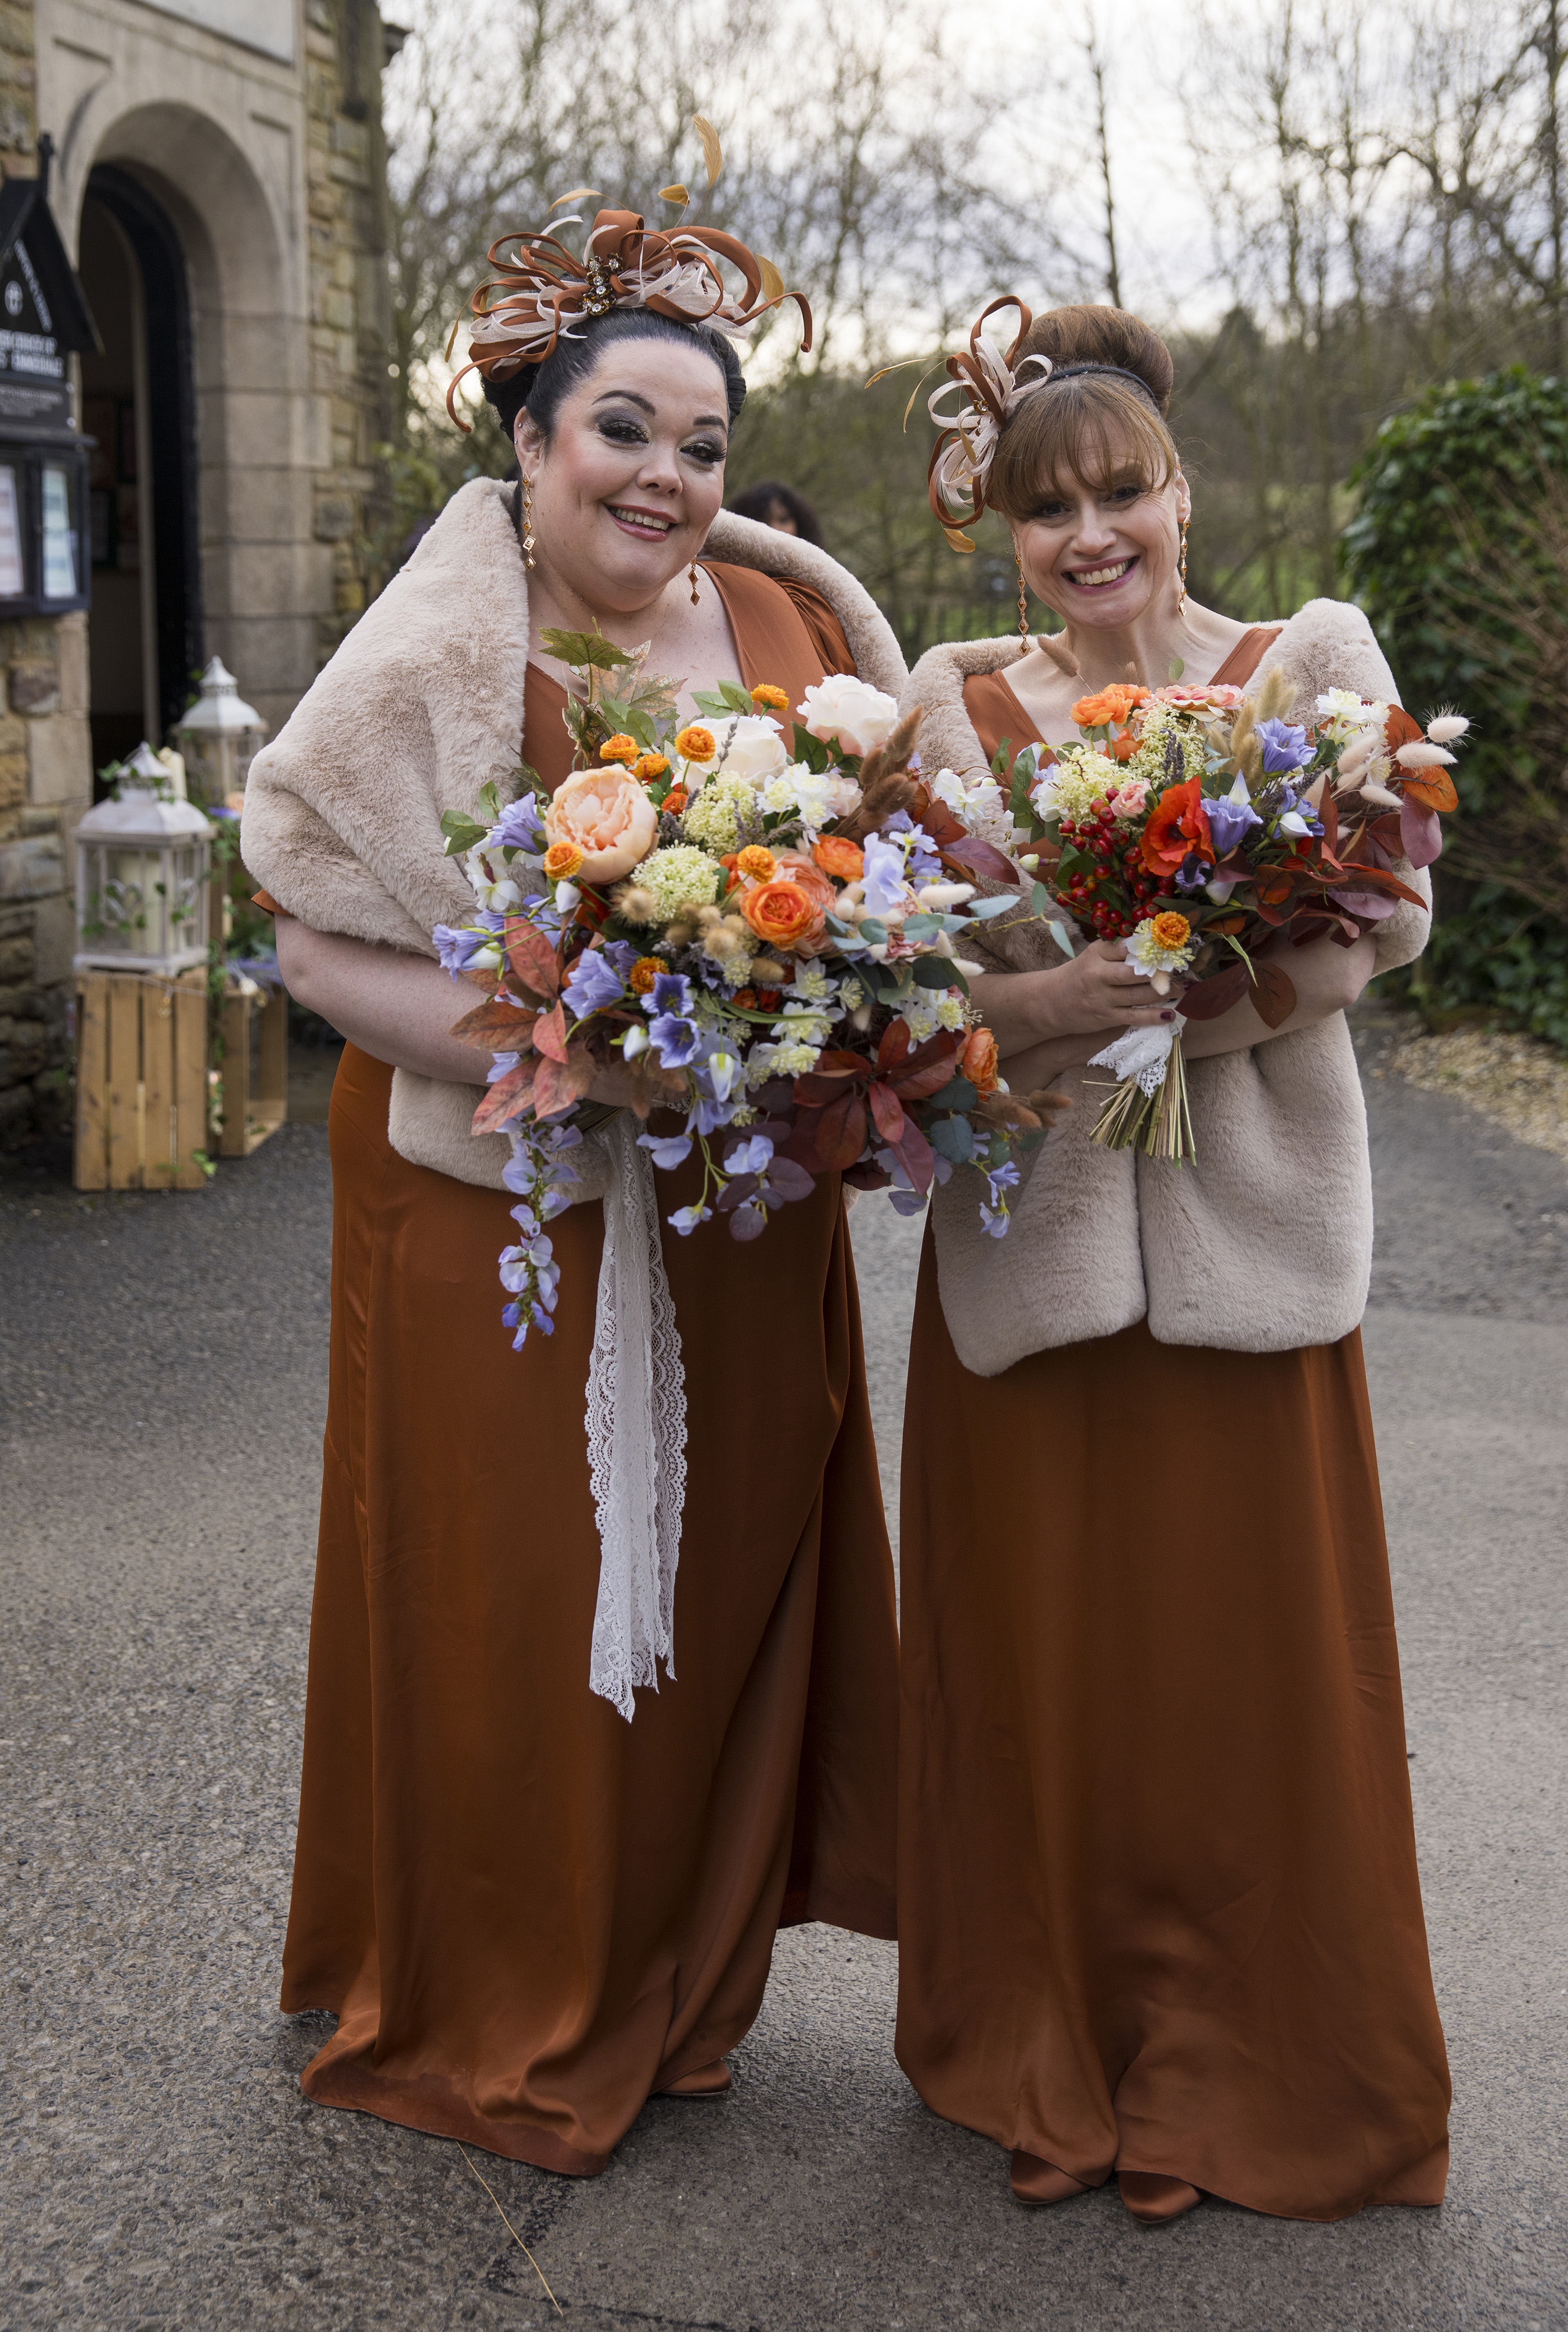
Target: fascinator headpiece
542,293
991,392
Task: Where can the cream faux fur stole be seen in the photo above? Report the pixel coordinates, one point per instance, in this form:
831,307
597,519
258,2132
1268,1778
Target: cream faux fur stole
419,707
1265,1242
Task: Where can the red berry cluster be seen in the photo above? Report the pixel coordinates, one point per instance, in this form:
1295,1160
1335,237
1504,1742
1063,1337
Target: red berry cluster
1113,897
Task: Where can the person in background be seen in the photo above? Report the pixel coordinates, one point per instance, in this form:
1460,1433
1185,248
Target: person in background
773,505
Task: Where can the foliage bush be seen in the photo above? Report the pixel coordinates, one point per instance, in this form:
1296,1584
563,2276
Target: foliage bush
1459,551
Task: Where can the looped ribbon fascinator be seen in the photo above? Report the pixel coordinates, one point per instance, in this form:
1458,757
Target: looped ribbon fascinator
991,391
541,291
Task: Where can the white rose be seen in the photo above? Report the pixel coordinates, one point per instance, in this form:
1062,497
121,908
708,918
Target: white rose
860,716
797,788
753,747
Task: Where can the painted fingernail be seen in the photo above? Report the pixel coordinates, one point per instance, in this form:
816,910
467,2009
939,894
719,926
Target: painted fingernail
1167,1016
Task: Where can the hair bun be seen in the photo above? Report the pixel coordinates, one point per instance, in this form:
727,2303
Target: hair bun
1104,336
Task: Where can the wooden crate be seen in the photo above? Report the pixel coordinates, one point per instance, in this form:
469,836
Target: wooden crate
254,1066
141,1081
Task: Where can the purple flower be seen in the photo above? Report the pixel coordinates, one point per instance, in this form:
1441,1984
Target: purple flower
622,954
520,826
592,984
1193,873
672,992
1284,747
677,1042
668,1151
753,1157
685,1219
884,874
456,949
923,865
1229,821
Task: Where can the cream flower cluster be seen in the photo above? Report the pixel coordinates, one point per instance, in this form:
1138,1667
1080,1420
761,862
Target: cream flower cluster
1157,725
676,877
978,804
1074,785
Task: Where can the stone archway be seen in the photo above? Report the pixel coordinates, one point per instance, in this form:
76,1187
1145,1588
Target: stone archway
264,583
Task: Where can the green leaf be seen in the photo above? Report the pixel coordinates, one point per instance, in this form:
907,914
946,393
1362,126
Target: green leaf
706,701
490,800
1001,759
872,928
923,927
461,832
811,750
584,651
736,699
933,971
957,1095
1174,671
953,1137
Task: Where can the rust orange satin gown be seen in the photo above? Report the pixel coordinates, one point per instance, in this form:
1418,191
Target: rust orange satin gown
527,1914
1158,1904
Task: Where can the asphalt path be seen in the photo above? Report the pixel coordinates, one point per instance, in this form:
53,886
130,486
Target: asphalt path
164,1385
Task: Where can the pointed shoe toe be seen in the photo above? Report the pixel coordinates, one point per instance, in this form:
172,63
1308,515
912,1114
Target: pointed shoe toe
707,2081
1038,2184
1154,2200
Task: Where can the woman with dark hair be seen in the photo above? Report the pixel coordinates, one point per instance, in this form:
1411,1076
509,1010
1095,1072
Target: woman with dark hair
771,505
1159,1914
527,1914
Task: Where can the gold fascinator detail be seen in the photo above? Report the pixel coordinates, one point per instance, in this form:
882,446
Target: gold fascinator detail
542,293
991,391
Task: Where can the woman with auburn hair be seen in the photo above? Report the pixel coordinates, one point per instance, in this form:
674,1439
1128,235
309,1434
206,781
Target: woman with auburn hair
1158,1906
526,1913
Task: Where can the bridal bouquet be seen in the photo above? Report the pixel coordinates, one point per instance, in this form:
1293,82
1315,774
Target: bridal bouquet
762,931
1197,824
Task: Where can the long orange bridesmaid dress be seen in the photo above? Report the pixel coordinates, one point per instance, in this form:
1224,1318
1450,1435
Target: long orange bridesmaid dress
1158,1902
525,1914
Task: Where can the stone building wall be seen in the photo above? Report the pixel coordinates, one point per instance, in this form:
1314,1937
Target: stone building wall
273,172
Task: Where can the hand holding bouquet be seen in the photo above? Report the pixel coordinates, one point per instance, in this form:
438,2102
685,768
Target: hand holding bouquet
1196,825
762,934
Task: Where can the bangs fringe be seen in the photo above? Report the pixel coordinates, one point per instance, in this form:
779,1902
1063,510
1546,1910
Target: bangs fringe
1094,430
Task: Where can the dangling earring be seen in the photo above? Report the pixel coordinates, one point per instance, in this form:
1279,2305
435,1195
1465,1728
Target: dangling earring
529,536
696,600
1022,596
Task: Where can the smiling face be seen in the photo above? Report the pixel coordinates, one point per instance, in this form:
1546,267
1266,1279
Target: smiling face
631,477
1104,553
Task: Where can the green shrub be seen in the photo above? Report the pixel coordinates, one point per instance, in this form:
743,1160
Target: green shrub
1459,551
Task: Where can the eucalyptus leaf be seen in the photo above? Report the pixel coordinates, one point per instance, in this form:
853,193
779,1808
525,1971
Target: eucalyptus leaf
933,971
982,911
873,929
954,1137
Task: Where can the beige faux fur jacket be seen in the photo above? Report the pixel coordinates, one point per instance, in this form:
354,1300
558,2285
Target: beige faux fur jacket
1266,1242
420,706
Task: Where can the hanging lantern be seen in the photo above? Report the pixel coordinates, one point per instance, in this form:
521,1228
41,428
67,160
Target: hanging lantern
219,737
142,862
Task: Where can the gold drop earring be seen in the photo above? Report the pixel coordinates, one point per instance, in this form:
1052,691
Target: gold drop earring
1022,596
1182,574
695,597
529,537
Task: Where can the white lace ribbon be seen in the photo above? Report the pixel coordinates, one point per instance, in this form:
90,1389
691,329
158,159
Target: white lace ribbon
636,1425
1143,1053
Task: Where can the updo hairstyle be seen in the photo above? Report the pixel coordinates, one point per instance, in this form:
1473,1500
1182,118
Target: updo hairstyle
540,387
1094,427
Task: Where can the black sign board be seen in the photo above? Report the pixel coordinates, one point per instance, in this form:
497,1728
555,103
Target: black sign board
45,318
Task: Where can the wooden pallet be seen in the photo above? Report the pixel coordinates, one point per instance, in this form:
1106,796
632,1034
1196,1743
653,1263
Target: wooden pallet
141,1081
254,1025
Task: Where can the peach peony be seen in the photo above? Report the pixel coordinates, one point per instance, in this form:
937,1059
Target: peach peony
782,915
978,1061
836,856
609,818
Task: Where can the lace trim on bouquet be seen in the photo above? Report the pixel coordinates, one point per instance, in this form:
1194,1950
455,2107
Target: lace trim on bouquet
636,1426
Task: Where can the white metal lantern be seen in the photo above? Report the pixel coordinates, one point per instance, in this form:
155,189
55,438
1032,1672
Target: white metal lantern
142,863
220,736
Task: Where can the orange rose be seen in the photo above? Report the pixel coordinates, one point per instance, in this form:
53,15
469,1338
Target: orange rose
696,744
835,856
756,861
978,1061
561,860
772,699
782,915
795,867
609,818
1107,704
